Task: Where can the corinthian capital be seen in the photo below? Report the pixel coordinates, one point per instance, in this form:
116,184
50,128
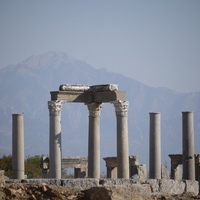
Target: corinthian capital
54,107
121,107
94,109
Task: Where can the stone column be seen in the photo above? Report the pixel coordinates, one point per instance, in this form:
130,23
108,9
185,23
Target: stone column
121,109
154,147
55,151
94,140
188,146
18,146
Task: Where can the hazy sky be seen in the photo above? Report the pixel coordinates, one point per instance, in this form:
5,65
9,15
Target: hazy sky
156,42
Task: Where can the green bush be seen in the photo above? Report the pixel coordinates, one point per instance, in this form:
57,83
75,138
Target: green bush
6,165
31,164
32,167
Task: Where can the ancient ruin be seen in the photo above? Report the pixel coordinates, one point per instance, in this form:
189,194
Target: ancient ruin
93,97
134,167
78,163
176,171
121,170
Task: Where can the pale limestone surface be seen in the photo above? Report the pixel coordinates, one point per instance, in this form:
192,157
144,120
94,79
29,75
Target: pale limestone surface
117,189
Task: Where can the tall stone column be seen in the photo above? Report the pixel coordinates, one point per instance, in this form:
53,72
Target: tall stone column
121,110
154,147
55,151
94,140
18,146
188,146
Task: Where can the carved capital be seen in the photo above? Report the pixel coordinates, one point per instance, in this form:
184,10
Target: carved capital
94,109
121,107
54,107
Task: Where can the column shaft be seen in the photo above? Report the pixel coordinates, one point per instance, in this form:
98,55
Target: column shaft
188,146
94,140
121,109
55,151
18,146
154,147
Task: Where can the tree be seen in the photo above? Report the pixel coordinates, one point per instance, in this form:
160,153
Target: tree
6,165
32,167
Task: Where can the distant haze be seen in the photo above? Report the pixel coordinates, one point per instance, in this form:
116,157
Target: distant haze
25,88
154,42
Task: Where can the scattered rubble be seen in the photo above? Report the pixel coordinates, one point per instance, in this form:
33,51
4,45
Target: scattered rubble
97,189
34,192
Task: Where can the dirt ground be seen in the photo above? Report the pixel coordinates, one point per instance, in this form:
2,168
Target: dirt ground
35,192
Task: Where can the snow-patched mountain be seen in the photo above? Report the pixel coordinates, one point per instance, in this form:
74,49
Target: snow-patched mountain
25,87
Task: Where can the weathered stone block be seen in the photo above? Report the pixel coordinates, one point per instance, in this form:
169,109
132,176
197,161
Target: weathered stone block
109,96
154,183
82,184
164,173
72,96
192,187
120,192
172,187
87,97
56,182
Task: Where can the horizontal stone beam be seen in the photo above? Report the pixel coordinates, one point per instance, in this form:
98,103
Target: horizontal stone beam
109,96
74,162
72,96
87,96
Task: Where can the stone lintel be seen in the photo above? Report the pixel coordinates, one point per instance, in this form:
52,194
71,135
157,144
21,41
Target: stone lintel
74,162
176,158
87,96
109,96
72,96
112,161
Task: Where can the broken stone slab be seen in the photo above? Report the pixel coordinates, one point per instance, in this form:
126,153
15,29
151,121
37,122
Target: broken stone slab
73,87
104,87
140,171
93,88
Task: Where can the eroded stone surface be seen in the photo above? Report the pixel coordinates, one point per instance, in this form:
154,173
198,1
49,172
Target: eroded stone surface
119,192
112,189
191,187
73,87
172,187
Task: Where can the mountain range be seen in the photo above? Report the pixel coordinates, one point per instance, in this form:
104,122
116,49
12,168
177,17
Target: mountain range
25,88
